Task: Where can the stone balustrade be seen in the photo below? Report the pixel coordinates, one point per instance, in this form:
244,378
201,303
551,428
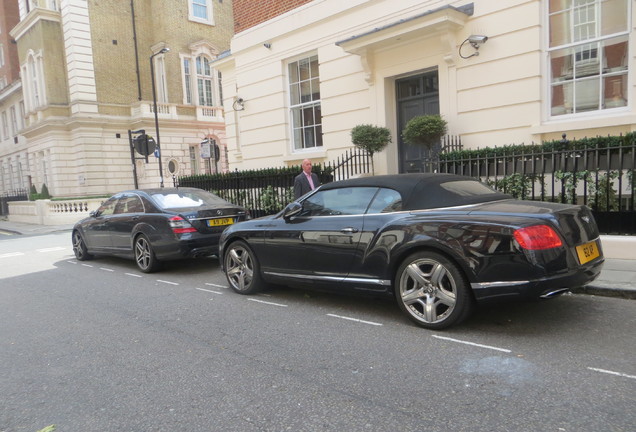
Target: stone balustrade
47,212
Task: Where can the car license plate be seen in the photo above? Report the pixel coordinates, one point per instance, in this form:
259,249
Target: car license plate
220,222
587,252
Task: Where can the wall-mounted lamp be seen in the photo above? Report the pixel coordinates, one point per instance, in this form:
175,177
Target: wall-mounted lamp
267,45
239,104
475,41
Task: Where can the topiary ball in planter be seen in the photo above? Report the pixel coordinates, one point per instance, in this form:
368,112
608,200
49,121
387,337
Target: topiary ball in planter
424,130
371,138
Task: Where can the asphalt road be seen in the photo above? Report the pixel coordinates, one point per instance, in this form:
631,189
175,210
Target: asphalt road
99,346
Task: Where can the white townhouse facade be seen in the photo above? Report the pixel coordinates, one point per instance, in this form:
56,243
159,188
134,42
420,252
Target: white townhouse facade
499,72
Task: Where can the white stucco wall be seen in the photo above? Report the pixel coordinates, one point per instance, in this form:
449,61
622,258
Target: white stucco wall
496,98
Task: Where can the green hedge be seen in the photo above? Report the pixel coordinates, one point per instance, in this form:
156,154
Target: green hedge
599,142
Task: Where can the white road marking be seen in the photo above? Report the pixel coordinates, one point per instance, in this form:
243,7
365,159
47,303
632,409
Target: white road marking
264,302
87,265
210,291
133,275
53,249
355,319
472,344
12,254
215,285
612,373
106,269
167,282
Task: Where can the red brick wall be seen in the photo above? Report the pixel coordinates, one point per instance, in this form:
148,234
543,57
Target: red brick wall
248,13
9,18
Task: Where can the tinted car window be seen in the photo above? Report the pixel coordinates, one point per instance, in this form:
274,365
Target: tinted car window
108,208
129,204
386,201
344,201
185,199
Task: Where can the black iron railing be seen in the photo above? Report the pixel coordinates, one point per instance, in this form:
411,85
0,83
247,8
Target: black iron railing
14,195
268,191
601,176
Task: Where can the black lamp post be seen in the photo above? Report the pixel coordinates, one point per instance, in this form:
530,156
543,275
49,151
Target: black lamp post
154,101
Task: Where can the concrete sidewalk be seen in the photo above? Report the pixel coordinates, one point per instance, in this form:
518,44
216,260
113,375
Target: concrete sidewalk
618,278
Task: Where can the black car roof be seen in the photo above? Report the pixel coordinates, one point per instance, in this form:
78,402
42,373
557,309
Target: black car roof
161,190
421,190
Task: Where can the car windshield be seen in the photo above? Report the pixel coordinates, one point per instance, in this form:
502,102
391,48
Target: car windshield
185,199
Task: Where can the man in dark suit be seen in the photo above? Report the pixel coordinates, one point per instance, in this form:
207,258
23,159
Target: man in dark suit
306,181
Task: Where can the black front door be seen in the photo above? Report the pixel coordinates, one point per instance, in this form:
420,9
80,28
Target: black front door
416,95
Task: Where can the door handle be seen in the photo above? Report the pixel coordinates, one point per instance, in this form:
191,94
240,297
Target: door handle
349,230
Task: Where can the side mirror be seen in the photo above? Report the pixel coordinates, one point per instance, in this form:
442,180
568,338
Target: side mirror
292,209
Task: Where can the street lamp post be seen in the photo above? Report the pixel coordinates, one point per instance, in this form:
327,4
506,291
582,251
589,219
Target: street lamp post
154,101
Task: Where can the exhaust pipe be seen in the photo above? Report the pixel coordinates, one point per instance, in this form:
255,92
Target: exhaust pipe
554,293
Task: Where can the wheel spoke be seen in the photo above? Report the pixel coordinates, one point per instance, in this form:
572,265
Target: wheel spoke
437,275
445,296
236,258
143,254
413,296
414,271
430,309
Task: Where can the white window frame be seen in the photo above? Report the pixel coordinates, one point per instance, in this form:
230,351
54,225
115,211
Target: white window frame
1,55
22,115
196,5
191,78
5,126
295,109
588,53
160,78
14,121
186,79
195,165
32,81
205,83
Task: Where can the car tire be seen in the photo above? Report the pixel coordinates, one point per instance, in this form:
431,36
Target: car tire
144,255
79,247
432,291
242,269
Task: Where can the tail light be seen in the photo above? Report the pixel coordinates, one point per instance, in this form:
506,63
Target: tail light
181,226
537,237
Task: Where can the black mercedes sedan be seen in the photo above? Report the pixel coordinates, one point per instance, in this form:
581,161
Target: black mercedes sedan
155,225
439,243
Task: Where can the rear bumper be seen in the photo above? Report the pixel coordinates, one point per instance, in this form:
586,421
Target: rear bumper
538,288
188,248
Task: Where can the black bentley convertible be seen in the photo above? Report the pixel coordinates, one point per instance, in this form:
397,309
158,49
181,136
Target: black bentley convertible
437,242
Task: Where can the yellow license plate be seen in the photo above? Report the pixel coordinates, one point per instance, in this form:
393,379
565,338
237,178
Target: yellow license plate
220,222
587,252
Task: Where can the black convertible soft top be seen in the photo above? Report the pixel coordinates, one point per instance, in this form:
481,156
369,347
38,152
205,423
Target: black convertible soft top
428,190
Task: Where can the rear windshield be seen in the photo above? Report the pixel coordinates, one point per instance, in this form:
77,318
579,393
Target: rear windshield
467,188
186,199
452,193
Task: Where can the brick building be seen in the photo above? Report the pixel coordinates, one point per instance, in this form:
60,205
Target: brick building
11,100
85,70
